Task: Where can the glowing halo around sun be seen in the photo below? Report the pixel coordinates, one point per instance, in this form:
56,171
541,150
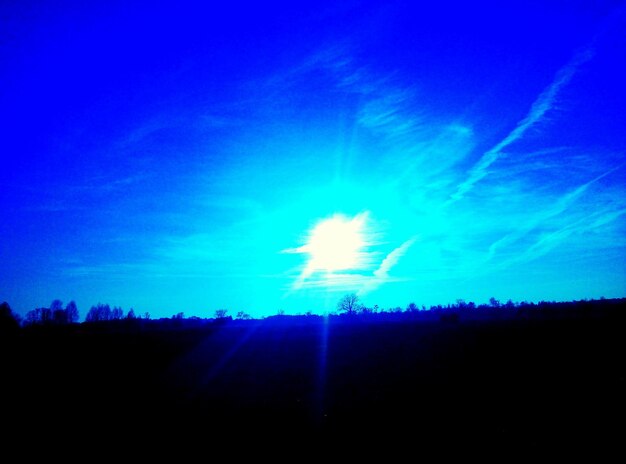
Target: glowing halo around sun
335,244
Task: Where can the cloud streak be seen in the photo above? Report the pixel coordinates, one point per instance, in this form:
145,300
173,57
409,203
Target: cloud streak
381,275
540,107
402,130
556,209
549,241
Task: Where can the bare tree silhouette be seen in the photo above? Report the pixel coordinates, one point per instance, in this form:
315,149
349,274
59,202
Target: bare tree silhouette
349,304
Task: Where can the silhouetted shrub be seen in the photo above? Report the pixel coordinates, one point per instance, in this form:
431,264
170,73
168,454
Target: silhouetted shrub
221,313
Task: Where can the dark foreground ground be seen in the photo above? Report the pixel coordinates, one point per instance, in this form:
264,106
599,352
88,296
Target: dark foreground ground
522,383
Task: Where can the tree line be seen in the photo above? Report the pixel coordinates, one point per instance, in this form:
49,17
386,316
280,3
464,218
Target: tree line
56,314
351,304
348,305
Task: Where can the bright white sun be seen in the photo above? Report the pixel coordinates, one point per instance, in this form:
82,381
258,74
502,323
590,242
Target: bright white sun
336,244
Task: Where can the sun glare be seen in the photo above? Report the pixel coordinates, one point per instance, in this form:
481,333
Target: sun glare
336,244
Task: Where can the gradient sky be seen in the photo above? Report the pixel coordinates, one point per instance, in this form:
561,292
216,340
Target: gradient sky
173,157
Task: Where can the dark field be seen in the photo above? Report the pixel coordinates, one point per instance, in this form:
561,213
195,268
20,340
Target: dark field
527,382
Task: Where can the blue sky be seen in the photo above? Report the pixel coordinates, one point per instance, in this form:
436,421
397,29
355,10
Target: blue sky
175,157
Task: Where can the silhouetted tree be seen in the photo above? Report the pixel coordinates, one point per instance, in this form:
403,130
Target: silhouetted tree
412,308
56,313
56,305
92,315
98,313
494,303
59,316
45,315
8,320
71,312
131,314
349,304
242,315
117,313
33,317
106,312
39,316
220,313
178,316
146,316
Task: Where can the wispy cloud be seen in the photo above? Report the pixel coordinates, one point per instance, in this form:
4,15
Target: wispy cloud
554,210
413,143
549,241
58,196
381,275
418,151
386,114
540,107
546,242
123,271
103,184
